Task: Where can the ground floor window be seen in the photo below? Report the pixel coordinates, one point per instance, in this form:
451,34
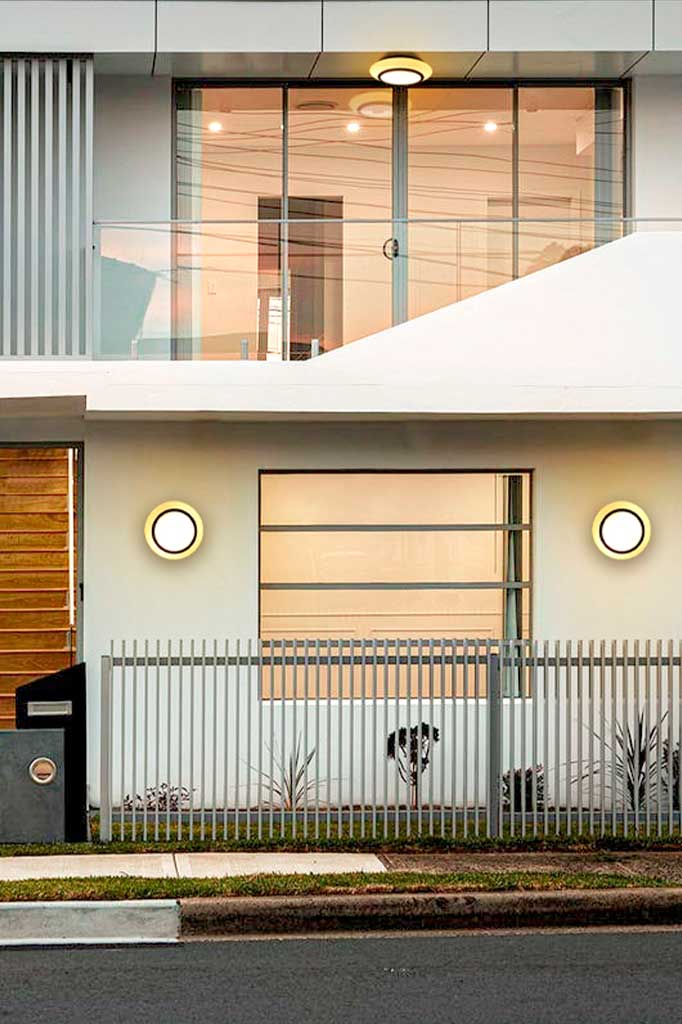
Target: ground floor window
372,555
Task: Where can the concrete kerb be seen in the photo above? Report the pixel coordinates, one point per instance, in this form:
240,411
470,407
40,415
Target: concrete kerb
168,921
416,911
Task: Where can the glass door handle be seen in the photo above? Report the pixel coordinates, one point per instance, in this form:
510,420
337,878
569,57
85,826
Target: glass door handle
390,248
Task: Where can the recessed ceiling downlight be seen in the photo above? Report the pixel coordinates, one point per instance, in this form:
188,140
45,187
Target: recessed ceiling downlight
316,105
621,530
375,104
174,530
400,70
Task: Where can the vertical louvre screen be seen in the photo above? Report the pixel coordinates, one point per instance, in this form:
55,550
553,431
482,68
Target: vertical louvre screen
46,183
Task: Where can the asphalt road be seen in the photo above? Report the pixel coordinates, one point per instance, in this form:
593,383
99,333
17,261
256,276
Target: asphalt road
595,977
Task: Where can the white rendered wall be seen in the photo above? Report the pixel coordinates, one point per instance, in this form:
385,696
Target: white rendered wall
657,146
578,468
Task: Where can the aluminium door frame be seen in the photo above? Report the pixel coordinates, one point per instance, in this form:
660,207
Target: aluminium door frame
399,160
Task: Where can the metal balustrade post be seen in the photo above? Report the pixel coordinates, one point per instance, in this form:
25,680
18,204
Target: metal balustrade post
494,745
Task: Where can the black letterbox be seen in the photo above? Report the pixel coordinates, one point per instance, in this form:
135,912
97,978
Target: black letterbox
58,701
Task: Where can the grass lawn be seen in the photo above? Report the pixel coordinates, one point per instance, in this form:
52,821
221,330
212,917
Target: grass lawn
402,843
298,885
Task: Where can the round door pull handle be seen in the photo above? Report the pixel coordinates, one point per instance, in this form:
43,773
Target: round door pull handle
390,248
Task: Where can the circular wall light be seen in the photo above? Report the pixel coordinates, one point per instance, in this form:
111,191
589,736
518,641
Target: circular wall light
174,530
621,530
215,127
400,70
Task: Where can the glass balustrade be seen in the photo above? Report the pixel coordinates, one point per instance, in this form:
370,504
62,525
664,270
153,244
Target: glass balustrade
276,289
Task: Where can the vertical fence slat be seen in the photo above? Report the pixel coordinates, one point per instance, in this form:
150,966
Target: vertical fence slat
105,751
363,737
443,677
226,737
396,732
625,729
351,738
339,741
214,744
169,738
121,826
580,697
249,725
659,749
557,736
453,732
237,732
133,744
465,735
203,753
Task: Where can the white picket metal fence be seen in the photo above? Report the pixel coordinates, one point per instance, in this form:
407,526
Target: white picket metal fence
388,738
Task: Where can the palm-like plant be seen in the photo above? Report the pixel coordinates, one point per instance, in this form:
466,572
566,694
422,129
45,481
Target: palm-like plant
288,787
640,761
412,752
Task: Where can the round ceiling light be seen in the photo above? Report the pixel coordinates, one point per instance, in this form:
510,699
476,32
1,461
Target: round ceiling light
215,127
400,70
621,530
174,530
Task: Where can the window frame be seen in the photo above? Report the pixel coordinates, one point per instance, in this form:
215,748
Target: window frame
528,472
398,176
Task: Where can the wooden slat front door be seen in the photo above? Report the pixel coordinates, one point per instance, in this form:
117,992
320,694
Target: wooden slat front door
38,566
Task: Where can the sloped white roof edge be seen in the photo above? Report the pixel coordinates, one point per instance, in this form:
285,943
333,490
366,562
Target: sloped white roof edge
597,335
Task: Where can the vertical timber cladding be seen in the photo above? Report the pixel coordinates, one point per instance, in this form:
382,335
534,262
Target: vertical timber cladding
46,187
38,566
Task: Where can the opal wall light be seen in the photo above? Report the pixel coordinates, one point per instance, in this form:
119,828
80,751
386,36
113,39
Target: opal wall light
621,530
174,530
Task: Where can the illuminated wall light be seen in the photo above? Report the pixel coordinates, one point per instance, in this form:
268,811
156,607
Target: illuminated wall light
353,127
215,127
490,127
174,530
621,530
400,70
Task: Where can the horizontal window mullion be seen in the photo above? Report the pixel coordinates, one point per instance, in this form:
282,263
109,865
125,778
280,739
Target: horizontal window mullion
391,527
490,585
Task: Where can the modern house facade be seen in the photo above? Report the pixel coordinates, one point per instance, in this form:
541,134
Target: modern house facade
392,347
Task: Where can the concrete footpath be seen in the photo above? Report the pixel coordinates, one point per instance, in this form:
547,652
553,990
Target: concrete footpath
185,865
655,865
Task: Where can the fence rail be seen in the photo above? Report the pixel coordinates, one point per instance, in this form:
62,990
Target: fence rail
388,738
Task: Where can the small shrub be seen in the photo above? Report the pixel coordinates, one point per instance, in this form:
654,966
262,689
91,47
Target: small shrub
534,790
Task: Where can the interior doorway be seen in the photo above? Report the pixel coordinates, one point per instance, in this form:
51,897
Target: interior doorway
40,538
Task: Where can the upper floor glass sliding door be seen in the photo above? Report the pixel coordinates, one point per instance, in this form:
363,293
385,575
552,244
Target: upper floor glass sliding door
321,214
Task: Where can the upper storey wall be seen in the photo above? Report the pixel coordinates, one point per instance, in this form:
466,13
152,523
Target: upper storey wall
335,38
